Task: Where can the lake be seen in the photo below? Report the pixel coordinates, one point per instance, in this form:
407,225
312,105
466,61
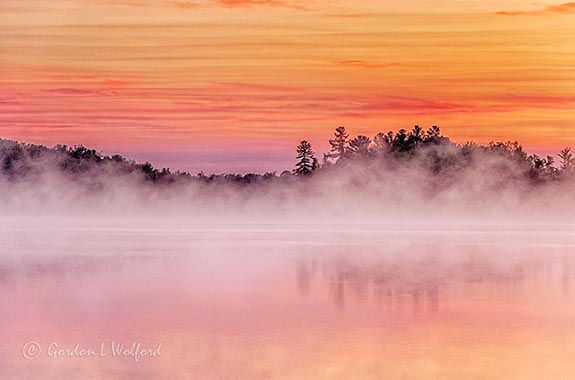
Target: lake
98,301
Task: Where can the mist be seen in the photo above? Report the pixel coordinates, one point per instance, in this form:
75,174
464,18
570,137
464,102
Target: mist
414,251
434,181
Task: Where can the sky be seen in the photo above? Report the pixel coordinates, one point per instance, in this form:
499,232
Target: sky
234,85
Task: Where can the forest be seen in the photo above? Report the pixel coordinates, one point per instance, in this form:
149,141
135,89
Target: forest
436,154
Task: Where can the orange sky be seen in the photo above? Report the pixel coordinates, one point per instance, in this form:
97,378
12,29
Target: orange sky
233,85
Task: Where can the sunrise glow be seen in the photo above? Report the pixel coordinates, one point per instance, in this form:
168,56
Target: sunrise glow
234,85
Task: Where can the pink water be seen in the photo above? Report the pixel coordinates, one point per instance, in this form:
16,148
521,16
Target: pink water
264,302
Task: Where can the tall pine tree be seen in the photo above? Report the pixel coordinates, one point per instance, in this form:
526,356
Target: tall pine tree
338,144
360,145
306,161
567,164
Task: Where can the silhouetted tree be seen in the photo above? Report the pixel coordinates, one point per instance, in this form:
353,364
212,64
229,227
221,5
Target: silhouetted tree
81,152
511,149
359,146
434,152
567,163
61,148
542,168
338,144
307,162
432,133
150,172
382,143
415,137
399,143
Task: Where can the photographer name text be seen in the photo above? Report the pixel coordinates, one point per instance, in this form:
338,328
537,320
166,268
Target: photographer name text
134,351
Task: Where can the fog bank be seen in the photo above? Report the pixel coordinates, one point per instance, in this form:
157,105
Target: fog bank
438,182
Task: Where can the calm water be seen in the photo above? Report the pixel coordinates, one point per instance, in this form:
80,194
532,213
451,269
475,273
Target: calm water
263,302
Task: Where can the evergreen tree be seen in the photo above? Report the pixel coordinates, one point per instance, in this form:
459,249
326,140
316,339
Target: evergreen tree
338,144
306,161
567,163
359,146
399,142
433,133
415,137
382,143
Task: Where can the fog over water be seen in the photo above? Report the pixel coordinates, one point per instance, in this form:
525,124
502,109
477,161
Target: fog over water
412,177
441,266
286,302
486,192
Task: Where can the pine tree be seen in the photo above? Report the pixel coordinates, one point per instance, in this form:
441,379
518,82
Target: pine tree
399,142
433,134
360,146
567,164
416,136
307,162
382,143
338,144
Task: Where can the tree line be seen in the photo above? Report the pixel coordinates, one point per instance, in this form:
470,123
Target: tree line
432,146
428,148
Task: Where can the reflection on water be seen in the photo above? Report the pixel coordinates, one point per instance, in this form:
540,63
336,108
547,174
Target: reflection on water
394,283
260,303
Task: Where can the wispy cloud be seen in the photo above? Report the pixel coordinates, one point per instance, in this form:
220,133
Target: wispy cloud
267,3
189,4
123,3
566,8
349,15
185,4
365,64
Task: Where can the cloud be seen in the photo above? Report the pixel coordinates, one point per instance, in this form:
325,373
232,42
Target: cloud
185,4
115,83
257,87
365,64
566,8
72,91
125,3
252,3
349,15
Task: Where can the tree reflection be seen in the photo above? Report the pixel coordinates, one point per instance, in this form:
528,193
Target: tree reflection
420,284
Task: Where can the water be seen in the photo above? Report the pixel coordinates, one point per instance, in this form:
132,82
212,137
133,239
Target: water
296,302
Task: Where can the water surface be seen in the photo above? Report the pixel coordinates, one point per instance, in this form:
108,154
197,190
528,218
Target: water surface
295,302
